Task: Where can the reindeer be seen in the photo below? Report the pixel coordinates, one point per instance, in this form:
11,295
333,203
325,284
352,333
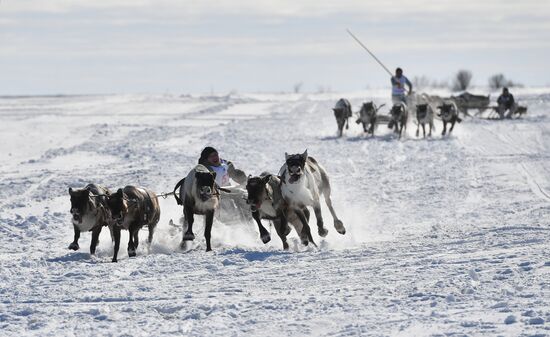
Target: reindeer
90,213
266,202
342,112
424,115
303,182
448,114
399,115
132,208
199,195
368,115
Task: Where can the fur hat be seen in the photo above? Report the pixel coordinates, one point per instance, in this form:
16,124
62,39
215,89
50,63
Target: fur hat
205,153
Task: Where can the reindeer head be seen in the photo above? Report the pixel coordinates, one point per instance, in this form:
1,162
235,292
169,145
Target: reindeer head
295,164
397,110
421,110
446,110
206,184
368,109
255,186
80,204
118,204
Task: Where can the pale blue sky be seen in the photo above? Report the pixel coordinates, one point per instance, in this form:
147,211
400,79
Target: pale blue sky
126,46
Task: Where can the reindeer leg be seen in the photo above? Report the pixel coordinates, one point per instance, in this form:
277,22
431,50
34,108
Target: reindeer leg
188,218
208,219
452,125
136,238
431,126
264,234
305,235
151,229
326,191
444,128
418,130
424,129
112,233
320,227
280,225
131,238
116,232
74,245
95,239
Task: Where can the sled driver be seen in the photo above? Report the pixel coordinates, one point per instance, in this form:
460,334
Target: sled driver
224,169
398,82
506,102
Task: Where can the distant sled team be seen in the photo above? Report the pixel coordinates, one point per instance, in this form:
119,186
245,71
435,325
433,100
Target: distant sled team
398,117
424,108
283,199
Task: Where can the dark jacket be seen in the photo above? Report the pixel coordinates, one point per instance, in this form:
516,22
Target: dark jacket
506,100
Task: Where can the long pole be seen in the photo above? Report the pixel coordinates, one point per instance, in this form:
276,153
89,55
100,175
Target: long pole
371,54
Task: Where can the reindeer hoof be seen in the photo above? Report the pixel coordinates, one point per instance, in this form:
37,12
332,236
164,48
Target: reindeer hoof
339,225
285,246
131,252
322,231
266,238
114,259
188,236
208,249
74,246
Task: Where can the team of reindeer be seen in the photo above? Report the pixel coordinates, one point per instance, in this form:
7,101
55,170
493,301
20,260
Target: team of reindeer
369,117
282,199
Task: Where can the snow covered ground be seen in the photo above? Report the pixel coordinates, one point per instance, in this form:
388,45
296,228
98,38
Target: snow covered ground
446,236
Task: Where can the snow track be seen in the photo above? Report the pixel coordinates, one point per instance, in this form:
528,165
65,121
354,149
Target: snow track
447,236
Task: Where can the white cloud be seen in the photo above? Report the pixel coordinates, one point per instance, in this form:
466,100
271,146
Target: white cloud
208,34
304,8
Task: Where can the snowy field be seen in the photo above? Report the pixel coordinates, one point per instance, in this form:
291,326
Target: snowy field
446,236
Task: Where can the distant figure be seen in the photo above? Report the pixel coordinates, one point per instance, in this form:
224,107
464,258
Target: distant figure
224,169
506,102
398,82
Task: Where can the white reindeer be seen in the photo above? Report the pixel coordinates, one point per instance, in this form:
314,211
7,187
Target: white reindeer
303,182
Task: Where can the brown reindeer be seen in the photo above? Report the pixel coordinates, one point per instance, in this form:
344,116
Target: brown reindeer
132,208
90,213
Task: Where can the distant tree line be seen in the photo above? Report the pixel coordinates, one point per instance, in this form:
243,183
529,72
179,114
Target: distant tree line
462,80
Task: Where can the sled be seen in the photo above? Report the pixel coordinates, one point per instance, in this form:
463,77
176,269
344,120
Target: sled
491,113
233,208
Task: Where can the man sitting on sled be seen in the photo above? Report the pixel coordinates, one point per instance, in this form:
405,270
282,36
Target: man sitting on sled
506,102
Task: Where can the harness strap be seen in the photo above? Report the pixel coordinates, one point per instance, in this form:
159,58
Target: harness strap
178,199
148,205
